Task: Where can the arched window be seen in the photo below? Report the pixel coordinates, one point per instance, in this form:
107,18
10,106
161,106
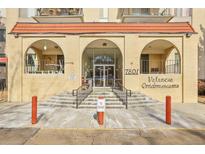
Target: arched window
44,56
160,57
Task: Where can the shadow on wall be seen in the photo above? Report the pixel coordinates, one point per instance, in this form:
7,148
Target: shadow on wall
201,53
201,62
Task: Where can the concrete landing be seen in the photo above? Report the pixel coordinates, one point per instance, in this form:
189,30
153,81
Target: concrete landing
183,116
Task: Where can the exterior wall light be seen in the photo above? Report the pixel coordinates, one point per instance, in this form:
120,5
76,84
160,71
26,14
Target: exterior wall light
188,34
104,44
16,35
45,47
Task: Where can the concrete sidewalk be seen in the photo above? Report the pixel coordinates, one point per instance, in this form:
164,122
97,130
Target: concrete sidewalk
188,115
34,136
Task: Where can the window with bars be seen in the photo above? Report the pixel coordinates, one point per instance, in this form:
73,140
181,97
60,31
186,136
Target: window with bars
141,11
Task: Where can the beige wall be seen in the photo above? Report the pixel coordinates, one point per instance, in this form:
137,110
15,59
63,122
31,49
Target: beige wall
22,86
133,48
130,45
190,74
93,15
161,93
53,83
155,61
14,53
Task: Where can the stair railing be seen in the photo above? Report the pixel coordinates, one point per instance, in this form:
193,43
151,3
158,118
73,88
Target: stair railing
122,93
81,93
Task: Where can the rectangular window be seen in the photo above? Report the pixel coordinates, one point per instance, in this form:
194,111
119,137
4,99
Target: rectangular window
182,12
141,11
103,14
26,13
2,12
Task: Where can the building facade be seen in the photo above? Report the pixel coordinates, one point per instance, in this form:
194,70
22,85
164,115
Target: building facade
153,51
3,59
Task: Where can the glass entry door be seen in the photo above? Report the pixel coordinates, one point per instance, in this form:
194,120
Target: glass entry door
104,75
98,76
109,76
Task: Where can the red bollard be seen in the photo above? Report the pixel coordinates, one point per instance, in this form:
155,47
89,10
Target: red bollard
100,118
34,110
100,109
168,110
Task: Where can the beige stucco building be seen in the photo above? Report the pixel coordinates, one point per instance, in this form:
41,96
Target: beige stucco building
153,51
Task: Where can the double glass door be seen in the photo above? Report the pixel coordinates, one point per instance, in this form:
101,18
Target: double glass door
104,75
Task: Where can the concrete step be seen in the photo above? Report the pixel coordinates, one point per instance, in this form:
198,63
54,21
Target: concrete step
102,94
66,99
61,101
108,103
96,96
62,98
137,98
64,94
107,106
106,99
102,89
143,104
58,105
138,95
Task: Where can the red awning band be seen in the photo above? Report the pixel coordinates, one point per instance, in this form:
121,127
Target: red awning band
83,28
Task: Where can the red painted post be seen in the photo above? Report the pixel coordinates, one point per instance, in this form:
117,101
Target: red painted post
168,110
34,110
100,118
100,114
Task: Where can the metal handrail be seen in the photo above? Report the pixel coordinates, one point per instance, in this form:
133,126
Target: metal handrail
122,93
81,93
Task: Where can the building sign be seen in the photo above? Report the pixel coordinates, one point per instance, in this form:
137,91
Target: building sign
101,105
131,71
159,82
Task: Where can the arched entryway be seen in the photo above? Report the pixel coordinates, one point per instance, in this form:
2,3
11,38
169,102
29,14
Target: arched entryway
102,64
44,57
160,57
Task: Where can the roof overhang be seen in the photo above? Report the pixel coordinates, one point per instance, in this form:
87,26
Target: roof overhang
146,18
90,28
59,19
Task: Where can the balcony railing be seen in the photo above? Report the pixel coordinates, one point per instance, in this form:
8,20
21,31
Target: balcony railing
44,67
59,11
160,67
144,15
59,15
146,12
